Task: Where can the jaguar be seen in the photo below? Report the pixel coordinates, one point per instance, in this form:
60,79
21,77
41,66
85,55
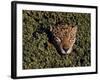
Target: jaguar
64,37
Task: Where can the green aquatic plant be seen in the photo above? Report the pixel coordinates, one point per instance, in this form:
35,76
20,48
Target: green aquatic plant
37,54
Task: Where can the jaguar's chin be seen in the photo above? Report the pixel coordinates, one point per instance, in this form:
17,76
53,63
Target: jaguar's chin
69,50
63,51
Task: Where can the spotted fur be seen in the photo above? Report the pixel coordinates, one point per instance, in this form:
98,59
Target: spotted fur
64,36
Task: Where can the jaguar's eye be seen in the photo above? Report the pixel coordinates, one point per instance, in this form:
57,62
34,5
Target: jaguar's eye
57,39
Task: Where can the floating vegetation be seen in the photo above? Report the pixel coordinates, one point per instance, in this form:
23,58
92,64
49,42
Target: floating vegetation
36,52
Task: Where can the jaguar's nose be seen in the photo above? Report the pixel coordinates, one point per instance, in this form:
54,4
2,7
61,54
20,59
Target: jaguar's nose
66,49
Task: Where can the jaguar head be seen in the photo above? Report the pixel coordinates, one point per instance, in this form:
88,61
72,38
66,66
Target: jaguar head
64,38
